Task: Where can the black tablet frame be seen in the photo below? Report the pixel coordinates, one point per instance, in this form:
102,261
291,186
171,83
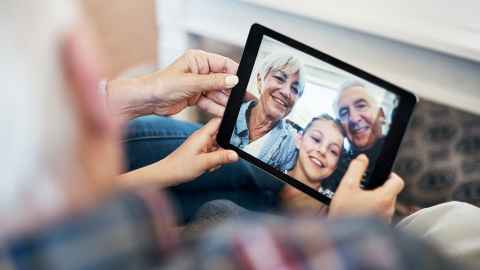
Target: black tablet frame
399,123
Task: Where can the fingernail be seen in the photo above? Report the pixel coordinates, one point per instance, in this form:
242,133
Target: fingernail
231,81
233,156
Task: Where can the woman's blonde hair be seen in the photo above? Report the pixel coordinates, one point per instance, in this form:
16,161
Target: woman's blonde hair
284,62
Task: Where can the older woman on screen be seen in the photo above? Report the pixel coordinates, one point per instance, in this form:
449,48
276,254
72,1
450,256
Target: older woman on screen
261,129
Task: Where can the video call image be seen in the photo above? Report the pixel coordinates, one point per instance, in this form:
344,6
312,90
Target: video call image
309,119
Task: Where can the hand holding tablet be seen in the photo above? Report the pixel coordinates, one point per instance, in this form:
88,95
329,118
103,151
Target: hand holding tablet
311,115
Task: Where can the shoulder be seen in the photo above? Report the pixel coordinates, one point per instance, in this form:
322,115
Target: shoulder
288,127
247,105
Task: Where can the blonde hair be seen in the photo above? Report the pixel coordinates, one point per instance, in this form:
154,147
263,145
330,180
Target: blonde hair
284,62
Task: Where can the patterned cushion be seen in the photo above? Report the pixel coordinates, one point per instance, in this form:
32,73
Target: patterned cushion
440,157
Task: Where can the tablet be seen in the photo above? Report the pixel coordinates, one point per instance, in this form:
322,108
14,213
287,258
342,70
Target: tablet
308,114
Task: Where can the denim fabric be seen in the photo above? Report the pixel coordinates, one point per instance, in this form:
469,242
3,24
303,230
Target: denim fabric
278,150
151,138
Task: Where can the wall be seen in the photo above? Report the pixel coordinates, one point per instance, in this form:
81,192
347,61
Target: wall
126,29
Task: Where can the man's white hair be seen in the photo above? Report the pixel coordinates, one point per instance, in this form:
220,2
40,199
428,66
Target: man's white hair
380,97
36,129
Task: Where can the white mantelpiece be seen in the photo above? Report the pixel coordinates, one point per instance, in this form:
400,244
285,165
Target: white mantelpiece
425,45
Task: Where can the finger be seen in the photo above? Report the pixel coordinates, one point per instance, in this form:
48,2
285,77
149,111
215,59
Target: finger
219,63
218,97
211,107
355,171
393,186
249,96
209,129
214,169
197,60
227,92
202,62
192,65
211,144
202,139
199,83
217,158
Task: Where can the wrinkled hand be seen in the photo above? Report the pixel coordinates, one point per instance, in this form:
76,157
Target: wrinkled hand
198,154
351,199
196,78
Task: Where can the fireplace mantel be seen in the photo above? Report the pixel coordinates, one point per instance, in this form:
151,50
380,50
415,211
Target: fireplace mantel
426,46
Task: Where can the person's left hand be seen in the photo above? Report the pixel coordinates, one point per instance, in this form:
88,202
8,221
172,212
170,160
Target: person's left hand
197,155
196,78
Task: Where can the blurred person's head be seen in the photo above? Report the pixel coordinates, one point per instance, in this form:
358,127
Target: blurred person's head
59,150
280,82
319,147
360,114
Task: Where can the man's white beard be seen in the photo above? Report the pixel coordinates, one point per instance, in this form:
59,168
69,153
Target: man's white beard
36,125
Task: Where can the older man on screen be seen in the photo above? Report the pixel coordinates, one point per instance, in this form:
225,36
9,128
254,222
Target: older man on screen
261,129
363,119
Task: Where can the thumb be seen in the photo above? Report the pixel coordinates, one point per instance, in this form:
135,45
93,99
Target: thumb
217,158
206,133
198,83
355,171
393,186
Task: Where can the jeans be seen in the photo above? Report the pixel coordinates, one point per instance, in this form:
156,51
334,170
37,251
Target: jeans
151,138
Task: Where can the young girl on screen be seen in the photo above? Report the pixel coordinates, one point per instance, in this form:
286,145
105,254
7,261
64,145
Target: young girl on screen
319,147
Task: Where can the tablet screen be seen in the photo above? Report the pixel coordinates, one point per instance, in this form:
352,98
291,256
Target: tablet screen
308,119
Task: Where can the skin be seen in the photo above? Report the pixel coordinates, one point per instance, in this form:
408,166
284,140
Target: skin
102,156
361,117
98,156
197,78
278,96
200,151
351,200
319,151
97,160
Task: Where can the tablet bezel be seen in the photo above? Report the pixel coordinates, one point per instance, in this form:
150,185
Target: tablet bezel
399,123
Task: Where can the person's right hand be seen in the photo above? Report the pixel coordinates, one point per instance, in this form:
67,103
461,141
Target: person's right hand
198,154
351,200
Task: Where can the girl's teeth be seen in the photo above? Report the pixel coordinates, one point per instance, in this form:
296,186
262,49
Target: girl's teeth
317,162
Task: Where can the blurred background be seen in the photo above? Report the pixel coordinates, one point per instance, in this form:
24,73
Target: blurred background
126,30
429,47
